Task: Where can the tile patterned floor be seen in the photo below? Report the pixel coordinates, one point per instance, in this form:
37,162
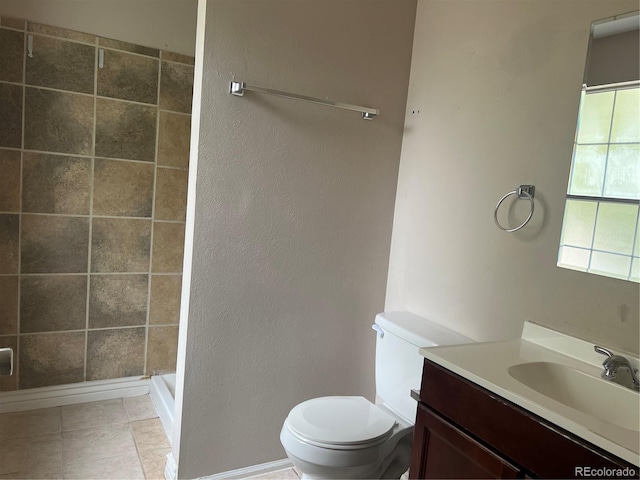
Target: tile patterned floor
111,439
285,474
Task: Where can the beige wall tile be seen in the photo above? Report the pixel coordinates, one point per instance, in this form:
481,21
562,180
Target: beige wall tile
29,423
43,362
115,353
171,194
10,115
120,245
8,305
162,349
50,303
125,130
122,466
23,454
9,181
91,444
61,32
176,87
173,140
164,306
72,115
11,55
177,57
118,300
153,463
149,435
54,244
10,382
61,64
93,414
129,77
55,184
128,47
168,247
122,188
9,232
140,408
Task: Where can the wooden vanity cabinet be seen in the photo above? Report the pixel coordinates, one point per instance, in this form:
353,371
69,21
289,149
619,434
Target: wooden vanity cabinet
465,431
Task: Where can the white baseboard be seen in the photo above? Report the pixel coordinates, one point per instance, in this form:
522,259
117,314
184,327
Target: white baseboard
170,468
247,472
58,395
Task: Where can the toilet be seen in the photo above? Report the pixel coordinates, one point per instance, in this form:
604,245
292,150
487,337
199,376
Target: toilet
350,437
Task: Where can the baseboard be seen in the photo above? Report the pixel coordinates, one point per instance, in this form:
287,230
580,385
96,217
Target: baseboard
248,471
59,395
170,468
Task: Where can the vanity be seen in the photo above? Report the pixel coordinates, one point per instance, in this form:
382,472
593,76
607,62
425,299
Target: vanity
535,407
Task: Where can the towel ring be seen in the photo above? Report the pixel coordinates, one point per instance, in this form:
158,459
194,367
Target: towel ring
523,192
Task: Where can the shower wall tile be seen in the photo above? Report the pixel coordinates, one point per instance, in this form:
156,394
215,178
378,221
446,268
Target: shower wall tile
54,244
128,47
118,300
55,184
61,32
10,115
168,247
61,64
9,383
9,243
11,55
58,121
162,349
176,87
115,353
171,194
10,22
9,181
173,140
123,188
125,130
129,77
120,245
8,305
176,57
52,303
51,359
164,304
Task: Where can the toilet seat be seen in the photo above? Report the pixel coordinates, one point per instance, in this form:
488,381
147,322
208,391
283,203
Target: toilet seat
340,423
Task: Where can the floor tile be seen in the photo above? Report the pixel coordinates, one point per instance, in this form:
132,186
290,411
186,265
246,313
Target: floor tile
25,454
149,434
285,474
95,443
140,408
94,414
120,467
153,463
30,423
48,473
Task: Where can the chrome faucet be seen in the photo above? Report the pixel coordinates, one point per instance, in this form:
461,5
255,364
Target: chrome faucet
612,364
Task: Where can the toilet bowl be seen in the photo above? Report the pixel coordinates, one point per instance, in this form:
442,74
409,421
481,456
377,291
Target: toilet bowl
350,437
346,437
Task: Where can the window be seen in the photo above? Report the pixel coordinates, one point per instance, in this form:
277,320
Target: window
601,227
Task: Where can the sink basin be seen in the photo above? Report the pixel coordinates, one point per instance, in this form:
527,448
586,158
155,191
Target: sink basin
591,395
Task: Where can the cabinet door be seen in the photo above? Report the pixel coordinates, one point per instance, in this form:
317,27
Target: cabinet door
441,450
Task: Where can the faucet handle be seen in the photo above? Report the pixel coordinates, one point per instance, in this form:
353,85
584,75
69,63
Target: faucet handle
602,350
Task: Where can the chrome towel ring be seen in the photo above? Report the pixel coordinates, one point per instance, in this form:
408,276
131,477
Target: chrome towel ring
524,192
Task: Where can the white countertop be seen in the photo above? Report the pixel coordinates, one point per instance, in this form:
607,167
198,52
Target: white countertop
487,364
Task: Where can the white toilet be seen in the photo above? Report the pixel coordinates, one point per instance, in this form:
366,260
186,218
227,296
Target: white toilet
350,437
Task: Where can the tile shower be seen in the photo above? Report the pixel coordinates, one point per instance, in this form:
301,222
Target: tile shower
93,178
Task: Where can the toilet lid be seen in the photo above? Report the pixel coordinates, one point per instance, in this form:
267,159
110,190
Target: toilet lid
340,421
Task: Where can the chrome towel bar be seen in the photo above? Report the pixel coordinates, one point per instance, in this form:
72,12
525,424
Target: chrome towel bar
238,89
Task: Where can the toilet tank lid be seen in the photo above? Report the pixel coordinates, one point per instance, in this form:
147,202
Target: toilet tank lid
417,330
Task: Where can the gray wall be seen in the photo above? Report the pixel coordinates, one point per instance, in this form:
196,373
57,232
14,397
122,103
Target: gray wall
495,88
292,207
613,59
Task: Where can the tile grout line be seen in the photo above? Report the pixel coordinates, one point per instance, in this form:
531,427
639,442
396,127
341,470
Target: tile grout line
77,330
90,216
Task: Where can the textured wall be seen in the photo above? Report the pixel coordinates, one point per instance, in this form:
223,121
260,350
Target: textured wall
92,204
292,213
493,102
162,24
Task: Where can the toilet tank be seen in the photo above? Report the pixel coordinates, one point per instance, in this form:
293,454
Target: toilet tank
398,361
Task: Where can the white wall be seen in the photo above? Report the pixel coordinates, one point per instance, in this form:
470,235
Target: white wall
495,89
164,24
291,212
